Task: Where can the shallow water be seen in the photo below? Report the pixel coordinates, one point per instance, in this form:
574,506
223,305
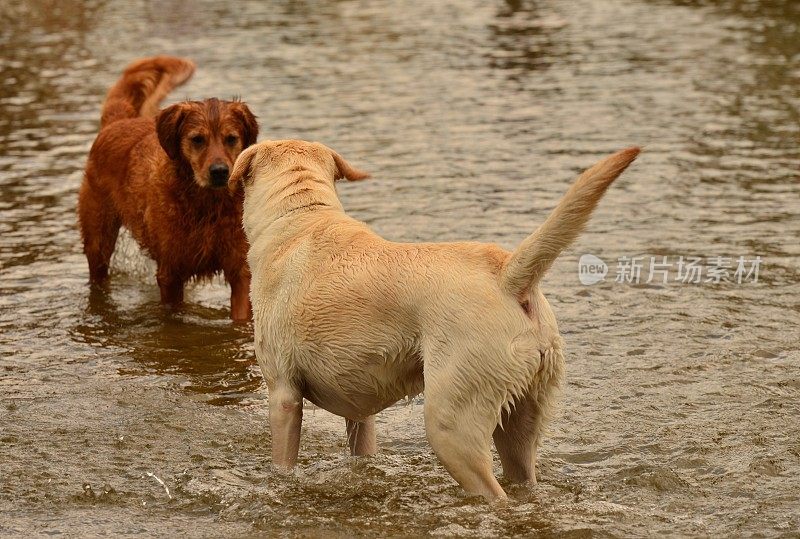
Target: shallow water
680,414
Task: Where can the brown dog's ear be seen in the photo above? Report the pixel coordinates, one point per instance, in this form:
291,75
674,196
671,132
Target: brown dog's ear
346,170
248,121
241,168
168,127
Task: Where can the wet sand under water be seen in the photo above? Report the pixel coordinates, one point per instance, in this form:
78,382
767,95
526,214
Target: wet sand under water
680,413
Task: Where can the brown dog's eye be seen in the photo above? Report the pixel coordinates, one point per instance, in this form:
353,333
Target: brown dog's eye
198,140
231,140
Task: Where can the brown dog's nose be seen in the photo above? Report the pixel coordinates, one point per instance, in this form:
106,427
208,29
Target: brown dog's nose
218,173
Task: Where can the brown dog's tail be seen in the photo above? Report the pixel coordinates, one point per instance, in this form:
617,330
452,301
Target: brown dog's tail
536,254
143,85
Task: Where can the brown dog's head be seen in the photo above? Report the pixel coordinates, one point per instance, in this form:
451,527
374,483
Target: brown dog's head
283,154
207,136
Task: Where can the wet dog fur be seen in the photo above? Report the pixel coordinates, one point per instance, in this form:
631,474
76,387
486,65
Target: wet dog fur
353,322
163,175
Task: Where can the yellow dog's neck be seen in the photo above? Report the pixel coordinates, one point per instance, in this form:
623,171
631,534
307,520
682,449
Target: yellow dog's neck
290,192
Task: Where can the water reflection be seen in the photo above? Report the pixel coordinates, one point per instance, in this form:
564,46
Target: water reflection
679,416
42,44
209,355
523,38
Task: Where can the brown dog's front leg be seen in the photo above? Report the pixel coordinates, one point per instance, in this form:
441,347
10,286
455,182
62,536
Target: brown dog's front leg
171,288
361,437
241,310
285,420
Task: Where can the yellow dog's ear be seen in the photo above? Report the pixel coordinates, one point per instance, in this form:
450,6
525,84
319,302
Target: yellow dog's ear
242,168
346,170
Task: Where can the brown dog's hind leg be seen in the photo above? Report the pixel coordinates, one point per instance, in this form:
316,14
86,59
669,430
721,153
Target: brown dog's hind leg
361,437
285,420
99,229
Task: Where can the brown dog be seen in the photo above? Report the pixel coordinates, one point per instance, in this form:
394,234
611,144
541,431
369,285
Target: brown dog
163,175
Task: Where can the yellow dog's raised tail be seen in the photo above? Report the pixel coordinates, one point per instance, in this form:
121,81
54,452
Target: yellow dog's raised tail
143,85
537,252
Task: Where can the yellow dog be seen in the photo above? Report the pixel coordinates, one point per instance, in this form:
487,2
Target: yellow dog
353,322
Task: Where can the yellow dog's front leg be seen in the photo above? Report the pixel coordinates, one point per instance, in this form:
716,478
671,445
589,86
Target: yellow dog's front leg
285,420
361,437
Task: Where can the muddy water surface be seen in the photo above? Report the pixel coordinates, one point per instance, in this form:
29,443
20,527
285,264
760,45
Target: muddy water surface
680,415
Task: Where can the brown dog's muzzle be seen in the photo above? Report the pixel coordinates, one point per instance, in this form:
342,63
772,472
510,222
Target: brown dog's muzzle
218,175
